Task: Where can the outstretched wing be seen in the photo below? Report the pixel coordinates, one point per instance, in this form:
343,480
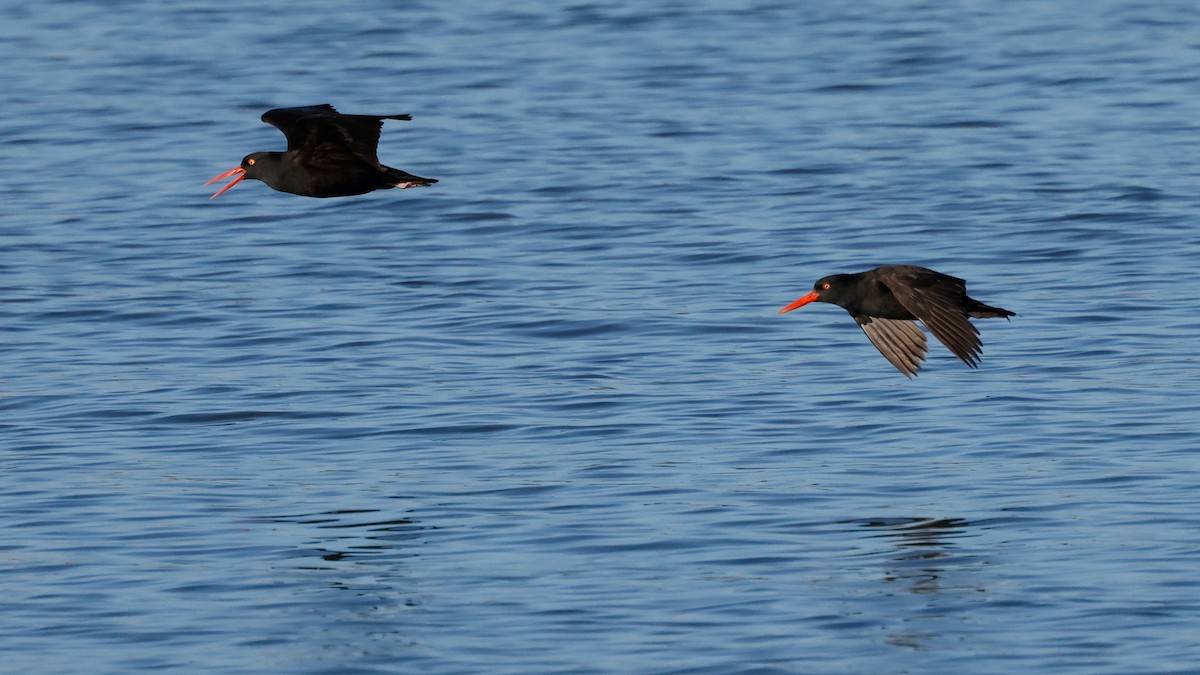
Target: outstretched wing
318,131
938,301
900,341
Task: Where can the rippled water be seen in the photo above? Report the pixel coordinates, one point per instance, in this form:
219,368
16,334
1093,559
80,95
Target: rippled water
542,416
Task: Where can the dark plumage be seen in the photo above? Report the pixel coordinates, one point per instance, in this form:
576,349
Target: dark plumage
329,155
887,301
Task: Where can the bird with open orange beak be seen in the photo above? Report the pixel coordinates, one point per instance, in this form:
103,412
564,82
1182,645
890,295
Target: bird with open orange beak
329,155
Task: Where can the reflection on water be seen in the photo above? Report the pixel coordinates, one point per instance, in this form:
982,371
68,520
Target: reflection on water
924,547
360,534
924,557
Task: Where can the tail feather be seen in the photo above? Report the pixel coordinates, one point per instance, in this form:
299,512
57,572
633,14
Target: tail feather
403,179
979,310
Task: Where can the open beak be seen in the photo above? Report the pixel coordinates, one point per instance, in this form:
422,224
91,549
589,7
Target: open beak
795,305
237,171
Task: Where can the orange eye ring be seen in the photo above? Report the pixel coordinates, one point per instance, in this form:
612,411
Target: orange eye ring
250,162
825,286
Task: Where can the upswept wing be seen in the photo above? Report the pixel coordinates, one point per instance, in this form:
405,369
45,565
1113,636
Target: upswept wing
320,131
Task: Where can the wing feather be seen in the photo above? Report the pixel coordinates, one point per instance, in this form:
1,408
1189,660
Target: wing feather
956,332
938,300
321,132
900,341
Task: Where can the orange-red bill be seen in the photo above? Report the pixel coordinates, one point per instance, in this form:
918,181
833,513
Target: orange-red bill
237,171
801,302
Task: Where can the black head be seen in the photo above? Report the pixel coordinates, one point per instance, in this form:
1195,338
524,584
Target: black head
252,166
837,289
254,162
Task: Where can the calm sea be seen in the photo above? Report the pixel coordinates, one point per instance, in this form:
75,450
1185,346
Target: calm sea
542,417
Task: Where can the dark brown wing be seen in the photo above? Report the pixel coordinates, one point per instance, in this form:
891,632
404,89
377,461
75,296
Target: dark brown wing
317,131
900,341
939,301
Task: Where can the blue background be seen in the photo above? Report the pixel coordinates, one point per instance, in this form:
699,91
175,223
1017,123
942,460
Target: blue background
542,416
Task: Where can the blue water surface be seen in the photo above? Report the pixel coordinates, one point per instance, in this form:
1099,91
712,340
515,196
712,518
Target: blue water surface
542,417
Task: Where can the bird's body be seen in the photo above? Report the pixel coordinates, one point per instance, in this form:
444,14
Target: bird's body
329,155
887,301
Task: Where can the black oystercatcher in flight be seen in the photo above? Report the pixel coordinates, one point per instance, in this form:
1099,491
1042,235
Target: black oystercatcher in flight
329,155
887,301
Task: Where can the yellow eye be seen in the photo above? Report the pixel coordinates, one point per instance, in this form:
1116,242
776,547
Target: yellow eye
825,286
250,162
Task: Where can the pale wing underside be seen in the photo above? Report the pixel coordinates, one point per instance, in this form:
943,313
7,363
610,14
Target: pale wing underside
900,341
